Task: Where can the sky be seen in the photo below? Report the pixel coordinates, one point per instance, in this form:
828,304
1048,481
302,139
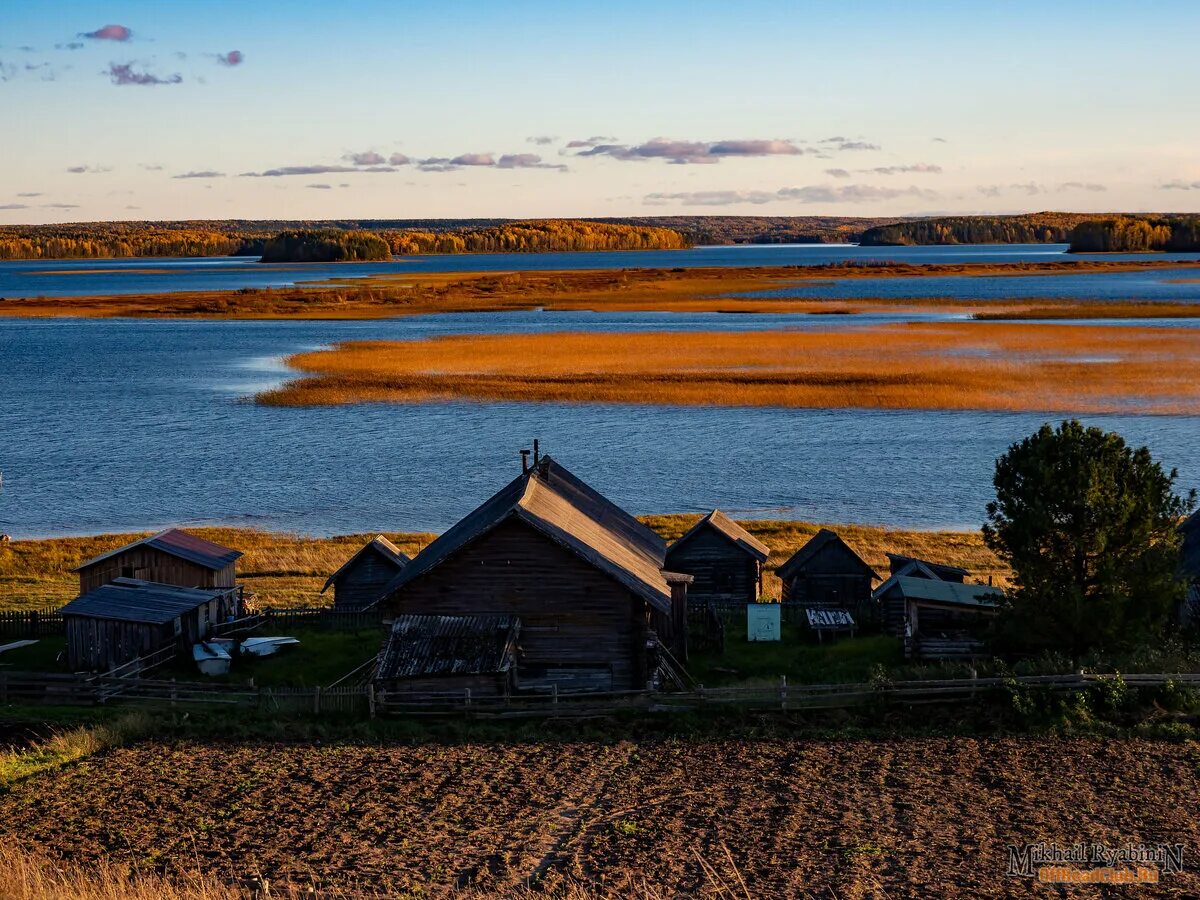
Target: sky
303,109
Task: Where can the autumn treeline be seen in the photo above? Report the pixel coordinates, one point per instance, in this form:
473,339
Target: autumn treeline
537,237
322,241
1137,234
1033,228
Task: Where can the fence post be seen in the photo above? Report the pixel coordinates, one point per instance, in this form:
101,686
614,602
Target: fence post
783,691
317,700
371,699
173,694
4,688
554,695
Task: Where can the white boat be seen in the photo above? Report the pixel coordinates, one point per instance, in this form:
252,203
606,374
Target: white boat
213,659
266,646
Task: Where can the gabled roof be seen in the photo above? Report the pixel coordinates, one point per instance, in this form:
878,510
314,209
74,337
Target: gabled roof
1189,562
387,550
937,570
816,544
573,515
133,600
181,544
950,593
420,646
727,528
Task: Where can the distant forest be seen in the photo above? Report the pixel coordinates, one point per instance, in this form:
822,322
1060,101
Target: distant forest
1085,231
326,245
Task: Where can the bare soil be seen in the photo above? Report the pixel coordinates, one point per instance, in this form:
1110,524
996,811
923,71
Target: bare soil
848,818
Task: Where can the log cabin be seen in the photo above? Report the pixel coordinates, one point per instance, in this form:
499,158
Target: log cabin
427,655
585,578
361,579
725,560
826,573
126,619
891,604
941,619
169,557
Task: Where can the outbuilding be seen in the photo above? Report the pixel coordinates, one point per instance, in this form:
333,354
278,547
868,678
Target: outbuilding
890,604
942,619
827,573
361,579
127,619
1189,564
431,655
585,578
725,560
169,557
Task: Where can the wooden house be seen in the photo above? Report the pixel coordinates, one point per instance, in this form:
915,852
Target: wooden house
169,557
890,603
427,655
361,579
585,579
725,560
127,619
941,619
1189,565
826,573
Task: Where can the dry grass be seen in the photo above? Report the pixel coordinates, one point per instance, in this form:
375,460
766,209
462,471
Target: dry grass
670,290
959,365
289,569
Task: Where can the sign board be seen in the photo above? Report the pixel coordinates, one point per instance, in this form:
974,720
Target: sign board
762,621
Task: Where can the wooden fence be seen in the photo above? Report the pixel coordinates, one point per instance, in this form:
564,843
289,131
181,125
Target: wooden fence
363,700
30,623
49,623
790,613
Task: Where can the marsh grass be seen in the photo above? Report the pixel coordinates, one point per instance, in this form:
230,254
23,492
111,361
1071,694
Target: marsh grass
64,747
952,365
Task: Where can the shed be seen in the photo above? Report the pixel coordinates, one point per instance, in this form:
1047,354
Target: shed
725,560
923,568
889,604
443,654
169,557
127,618
1189,560
827,573
585,578
942,619
361,579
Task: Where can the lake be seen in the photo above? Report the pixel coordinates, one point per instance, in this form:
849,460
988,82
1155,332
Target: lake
86,277
110,425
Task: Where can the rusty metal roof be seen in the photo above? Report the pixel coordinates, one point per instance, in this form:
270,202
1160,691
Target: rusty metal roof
818,542
181,544
949,593
421,646
572,514
386,548
134,600
729,529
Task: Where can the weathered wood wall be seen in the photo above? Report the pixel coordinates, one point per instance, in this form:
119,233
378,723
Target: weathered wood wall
833,577
572,616
151,564
493,684
722,570
363,580
98,645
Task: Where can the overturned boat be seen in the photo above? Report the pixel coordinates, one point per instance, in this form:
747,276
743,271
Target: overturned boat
212,658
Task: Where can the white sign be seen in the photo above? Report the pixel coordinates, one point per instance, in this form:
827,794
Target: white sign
762,621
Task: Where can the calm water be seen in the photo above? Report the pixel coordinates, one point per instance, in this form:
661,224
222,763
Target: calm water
117,425
77,278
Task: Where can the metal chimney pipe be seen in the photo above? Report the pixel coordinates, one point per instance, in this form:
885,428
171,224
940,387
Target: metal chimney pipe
537,456
524,461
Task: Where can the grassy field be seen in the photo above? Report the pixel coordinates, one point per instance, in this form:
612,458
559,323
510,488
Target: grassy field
948,365
821,818
289,569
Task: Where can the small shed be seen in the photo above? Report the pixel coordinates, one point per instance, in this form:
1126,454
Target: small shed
827,573
169,557
361,579
126,619
449,654
725,560
891,607
942,619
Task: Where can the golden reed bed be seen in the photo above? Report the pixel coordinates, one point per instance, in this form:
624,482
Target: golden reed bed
959,365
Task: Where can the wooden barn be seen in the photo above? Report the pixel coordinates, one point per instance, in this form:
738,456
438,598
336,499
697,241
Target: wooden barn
585,578
126,619
169,557
826,573
890,604
361,579
449,654
725,560
941,619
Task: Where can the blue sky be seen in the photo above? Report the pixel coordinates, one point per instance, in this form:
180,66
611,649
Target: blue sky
374,109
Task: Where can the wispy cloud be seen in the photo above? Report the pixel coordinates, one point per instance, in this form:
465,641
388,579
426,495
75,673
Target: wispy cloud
319,187
71,45
838,173
689,152
1179,184
939,140
204,173
30,194
838,142
915,168
819,193
366,158
150,168
60,206
88,170
526,161
108,33
14,206
1034,188
542,140
593,141
123,74
232,58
